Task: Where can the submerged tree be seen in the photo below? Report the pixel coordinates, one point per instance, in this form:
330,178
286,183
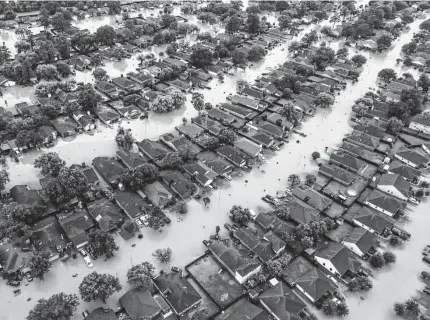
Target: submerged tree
58,306
163,255
141,275
98,286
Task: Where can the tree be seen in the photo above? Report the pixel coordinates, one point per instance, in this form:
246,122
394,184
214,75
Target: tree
342,309
377,260
233,24
124,138
98,286
63,69
83,41
47,72
118,53
316,155
389,257
294,180
227,136
59,22
387,74
21,46
19,212
9,15
240,215
284,22
253,23
424,82
97,60
141,275
395,125
425,275
58,306
201,57
359,60
50,163
412,308
311,179
384,42
100,74
4,179
394,241
114,7
172,48
399,309
102,243
256,53
39,265
136,178
324,100
198,101
322,57
360,284
425,25
172,160
69,183
163,255
409,48
342,53
310,38
106,35
275,268
238,56
88,98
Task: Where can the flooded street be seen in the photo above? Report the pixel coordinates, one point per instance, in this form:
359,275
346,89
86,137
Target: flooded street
186,232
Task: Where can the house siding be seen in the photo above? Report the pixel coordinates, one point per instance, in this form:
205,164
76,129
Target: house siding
357,223
388,213
419,127
327,265
391,190
413,165
353,247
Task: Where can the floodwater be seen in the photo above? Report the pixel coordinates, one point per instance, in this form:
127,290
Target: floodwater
186,232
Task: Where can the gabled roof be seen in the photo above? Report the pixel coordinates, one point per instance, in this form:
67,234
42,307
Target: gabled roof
232,154
385,202
337,173
105,213
139,304
246,311
315,283
423,119
404,170
363,139
130,202
362,238
178,292
102,314
312,197
397,182
109,168
131,159
301,213
154,149
189,129
235,258
373,219
158,194
75,225
283,302
22,195
413,156
347,160
341,258
247,146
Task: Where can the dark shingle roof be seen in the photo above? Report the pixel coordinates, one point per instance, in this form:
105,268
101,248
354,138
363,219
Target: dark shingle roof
139,304
341,258
362,238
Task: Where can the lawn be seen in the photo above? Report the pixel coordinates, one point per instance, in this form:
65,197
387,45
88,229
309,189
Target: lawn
221,287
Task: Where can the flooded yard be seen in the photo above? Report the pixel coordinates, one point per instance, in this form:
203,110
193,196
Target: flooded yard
186,232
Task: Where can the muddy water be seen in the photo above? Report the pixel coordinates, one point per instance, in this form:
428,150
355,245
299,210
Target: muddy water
186,232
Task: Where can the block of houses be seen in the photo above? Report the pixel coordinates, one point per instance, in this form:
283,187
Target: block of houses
312,198
178,292
130,159
153,149
47,237
235,259
364,140
65,127
279,121
190,130
142,79
102,314
106,114
202,173
179,143
410,174
257,136
238,111
338,260
372,221
47,134
132,203
130,111
109,168
421,122
270,129
108,89
412,158
105,213
221,116
348,162
75,225
126,84
282,303
249,147
140,304
220,166
395,185
158,194
360,241
179,184
301,213
248,102
22,194
309,280
338,174
233,155
384,203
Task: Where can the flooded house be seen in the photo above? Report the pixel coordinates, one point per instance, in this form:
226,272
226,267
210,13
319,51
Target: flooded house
127,111
177,182
255,135
140,304
65,126
190,130
76,224
132,204
102,313
233,155
222,115
395,185
384,203
312,198
106,214
421,123
201,173
47,134
23,194
109,168
412,158
126,84
108,89
213,127
142,79
361,242
130,159
48,237
177,291
84,121
372,221
248,147
106,114
158,194
236,259
282,303
154,150
238,111
410,174
338,174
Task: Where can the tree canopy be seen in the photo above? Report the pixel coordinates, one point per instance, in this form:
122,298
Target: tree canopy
98,286
102,243
58,306
141,275
50,163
